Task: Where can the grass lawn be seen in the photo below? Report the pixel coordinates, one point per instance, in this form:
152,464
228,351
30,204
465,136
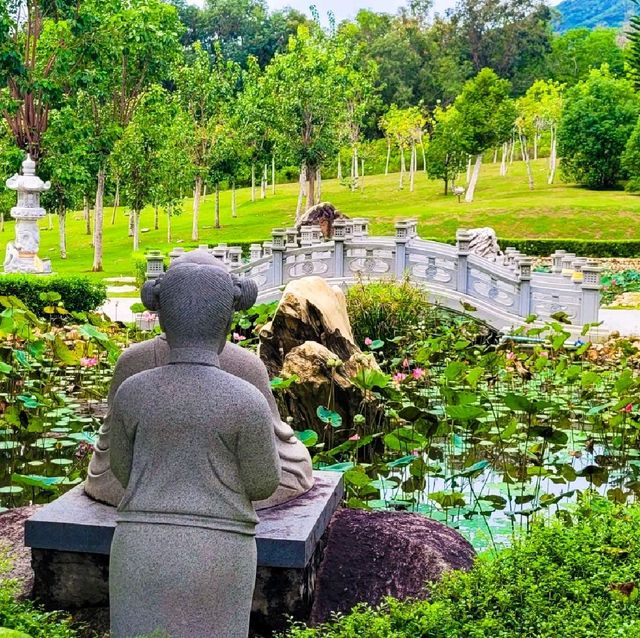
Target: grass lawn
505,203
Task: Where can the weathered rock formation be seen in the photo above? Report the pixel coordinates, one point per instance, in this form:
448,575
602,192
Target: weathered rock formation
371,555
323,215
310,337
485,243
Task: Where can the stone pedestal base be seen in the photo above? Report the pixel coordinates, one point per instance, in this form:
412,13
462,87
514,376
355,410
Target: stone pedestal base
70,541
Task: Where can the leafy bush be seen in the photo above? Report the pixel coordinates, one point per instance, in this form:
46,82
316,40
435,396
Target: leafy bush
576,578
618,283
384,310
77,294
23,615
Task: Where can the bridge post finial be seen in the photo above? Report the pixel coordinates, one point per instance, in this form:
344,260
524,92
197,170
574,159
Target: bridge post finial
556,261
278,247
403,234
463,240
339,236
591,288
524,265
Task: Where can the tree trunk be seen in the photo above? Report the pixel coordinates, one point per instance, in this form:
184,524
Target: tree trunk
339,176
318,186
62,228
168,226
469,170
536,137
362,176
503,163
130,223
1,222
402,168
87,217
273,174
253,182
233,199
495,155
98,222
553,156
513,151
424,157
196,208
386,166
136,230
355,162
301,182
474,180
116,203
412,167
446,186
525,157
216,221
156,217
204,194
263,183
311,187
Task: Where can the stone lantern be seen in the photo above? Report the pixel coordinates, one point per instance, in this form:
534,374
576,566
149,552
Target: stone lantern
22,254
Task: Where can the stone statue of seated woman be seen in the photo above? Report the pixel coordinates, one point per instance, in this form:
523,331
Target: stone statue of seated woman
193,446
297,470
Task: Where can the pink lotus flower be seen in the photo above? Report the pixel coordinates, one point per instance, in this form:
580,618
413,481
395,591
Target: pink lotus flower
628,407
406,363
89,362
368,341
355,437
149,316
511,356
238,337
544,354
416,452
399,377
418,373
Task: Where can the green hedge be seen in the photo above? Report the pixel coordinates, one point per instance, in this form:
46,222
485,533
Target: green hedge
571,578
622,249
78,294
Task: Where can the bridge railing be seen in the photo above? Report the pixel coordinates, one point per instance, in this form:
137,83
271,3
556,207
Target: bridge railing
505,287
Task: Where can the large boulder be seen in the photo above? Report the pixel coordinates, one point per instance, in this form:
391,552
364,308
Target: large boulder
371,555
310,336
324,215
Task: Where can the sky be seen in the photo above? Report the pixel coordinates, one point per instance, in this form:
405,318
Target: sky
348,8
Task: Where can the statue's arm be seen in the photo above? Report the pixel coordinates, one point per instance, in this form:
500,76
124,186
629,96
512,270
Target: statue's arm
258,458
122,441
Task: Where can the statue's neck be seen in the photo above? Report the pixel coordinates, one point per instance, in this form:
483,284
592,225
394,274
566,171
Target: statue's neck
194,355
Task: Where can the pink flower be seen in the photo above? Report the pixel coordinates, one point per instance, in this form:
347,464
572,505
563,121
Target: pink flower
406,363
368,341
238,337
511,356
628,407
89,362
399,377
544,354
149,316
416,452
418,373
355,437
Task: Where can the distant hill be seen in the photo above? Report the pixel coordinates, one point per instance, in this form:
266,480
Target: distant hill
594,13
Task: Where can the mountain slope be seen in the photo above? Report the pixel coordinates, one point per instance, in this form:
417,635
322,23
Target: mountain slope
594,13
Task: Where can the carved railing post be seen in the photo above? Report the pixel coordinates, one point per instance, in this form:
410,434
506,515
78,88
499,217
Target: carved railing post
255,252
463,238
175,253
524,278
235,256
292,237
155,264
567,265
339,236
591,288
556,261
278,247
403,230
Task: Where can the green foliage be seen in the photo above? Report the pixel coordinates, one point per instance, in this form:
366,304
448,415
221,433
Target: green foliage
631,160
598,119
574,577
615,284
383,310
588,14
77,293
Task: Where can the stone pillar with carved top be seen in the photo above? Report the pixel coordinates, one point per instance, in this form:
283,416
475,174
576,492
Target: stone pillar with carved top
524,278
591,288
463,239
339,236
22,253
278,248
403,234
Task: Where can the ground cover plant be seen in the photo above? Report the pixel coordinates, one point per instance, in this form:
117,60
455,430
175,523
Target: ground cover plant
575,577
505,203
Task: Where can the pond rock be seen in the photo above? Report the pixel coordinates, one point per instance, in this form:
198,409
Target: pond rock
323,215
371,555
310,336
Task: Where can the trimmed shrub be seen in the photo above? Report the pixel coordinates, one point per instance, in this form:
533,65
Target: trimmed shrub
569,578
78,294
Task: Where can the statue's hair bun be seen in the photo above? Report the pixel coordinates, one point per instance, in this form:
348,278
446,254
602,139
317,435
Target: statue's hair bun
245,293
150,294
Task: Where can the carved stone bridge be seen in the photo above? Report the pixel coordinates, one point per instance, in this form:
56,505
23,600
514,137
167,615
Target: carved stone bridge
503,291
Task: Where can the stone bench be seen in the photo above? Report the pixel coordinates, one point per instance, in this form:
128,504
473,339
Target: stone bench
70,540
